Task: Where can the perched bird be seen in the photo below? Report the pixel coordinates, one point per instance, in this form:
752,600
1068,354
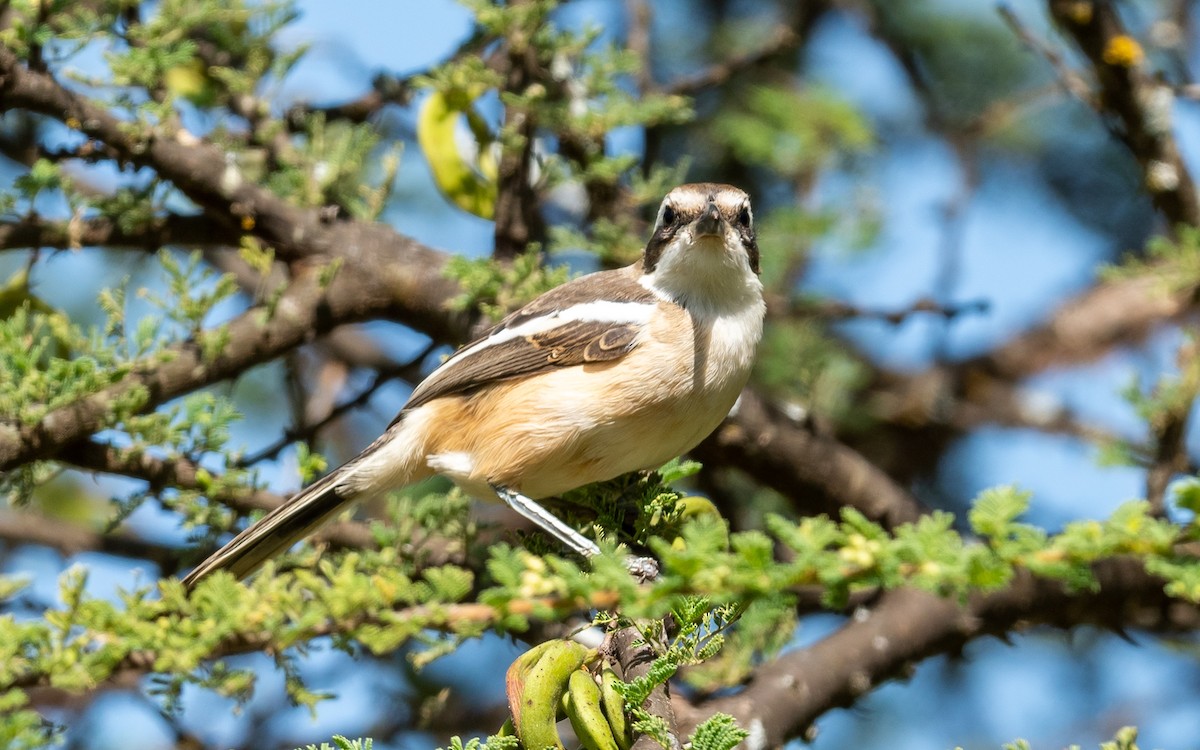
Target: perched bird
610,373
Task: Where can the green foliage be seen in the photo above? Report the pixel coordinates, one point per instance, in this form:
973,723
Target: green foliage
766,132
42,176
1172,263
494,742
763,628
1125,738
965,61
193,290
333,165
718,732
130,209
495,289
167,50
365,597
49,362
800,360
21,728
341,743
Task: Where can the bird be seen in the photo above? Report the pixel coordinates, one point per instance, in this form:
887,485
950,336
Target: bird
613,372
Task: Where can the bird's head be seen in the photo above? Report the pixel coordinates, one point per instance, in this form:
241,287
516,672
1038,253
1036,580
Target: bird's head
703,247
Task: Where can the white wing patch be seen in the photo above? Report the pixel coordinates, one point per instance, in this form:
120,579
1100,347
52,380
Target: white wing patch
617,313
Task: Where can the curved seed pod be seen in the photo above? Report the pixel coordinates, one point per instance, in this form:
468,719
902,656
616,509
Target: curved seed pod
454,176
614,708
587,715
535,696
518,672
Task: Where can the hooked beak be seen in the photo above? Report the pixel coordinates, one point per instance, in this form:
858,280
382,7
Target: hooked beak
709,222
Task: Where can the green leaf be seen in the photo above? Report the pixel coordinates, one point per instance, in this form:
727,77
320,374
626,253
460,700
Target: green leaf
996,509
718,732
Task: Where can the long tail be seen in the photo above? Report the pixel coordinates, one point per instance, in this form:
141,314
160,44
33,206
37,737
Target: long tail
395,459
281,528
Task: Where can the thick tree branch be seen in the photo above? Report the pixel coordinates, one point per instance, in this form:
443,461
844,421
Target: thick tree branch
786,696
1111,314
34,232
183,474
303,312
819,473
634,657
72,539
518,213
201,171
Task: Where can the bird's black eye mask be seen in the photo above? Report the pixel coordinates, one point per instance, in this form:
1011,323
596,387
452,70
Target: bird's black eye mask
671,221
669,224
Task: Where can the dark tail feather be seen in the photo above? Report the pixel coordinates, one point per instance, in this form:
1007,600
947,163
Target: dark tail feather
276,531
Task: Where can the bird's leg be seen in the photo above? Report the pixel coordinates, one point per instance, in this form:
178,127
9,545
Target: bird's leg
576,542
644,568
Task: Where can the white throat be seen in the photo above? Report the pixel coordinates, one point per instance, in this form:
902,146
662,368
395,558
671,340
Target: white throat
707,277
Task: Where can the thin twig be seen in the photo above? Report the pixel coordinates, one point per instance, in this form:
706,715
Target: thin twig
781,39
835,310
410,371
1068,79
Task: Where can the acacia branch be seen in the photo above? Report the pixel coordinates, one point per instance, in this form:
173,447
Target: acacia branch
304,311
385,274
200,170
182,473
634,656
71,539
442,616
786,696
518,215
173,229
1115,313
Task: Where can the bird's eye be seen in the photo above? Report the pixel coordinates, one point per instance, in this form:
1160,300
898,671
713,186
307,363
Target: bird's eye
668,215
744,217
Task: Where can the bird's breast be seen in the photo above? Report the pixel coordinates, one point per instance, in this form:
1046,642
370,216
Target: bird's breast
564,428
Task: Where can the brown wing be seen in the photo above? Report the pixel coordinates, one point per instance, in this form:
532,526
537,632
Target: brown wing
619,285
573,342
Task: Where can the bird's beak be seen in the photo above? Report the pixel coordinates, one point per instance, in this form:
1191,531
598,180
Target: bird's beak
709,222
